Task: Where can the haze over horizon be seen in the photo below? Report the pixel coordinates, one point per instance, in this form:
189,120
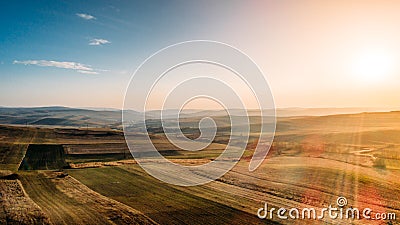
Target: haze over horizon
325,109
315,54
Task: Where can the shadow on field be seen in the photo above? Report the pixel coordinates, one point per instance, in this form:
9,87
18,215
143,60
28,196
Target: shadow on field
43,157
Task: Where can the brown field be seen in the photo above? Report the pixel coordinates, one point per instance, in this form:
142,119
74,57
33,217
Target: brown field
16,207
312,162
67,201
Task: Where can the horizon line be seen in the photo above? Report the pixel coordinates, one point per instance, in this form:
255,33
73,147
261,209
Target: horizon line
202,109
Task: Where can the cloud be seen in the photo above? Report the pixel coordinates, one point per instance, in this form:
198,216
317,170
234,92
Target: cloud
99,42
79,67
86,16
87,72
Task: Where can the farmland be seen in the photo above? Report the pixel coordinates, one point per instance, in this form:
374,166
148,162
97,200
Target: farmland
67,201
87,175
163,203
17,207
43,157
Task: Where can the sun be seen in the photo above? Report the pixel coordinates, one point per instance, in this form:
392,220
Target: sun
373,66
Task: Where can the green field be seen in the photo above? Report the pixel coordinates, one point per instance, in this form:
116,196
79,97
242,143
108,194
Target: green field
44,157
163,203
53,195
60,208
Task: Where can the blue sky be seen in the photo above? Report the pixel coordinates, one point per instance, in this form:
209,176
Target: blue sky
82,53
53,31
108,39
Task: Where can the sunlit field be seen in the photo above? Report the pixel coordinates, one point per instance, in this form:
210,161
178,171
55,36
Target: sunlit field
313,161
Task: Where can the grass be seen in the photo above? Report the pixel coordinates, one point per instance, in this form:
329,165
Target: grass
163,203
313,161
11,155
66,201
84,158
44,157
60,208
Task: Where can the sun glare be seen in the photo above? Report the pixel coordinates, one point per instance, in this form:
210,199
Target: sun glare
372,66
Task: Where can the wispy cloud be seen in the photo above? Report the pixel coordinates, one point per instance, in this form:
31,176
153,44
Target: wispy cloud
79,67
87,72
99,42
86,16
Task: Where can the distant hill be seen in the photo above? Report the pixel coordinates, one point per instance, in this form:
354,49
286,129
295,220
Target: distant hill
97,117
61,116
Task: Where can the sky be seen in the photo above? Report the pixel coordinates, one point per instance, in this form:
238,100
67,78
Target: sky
313,53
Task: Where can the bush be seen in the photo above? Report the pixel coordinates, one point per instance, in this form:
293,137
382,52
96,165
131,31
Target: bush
380,163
